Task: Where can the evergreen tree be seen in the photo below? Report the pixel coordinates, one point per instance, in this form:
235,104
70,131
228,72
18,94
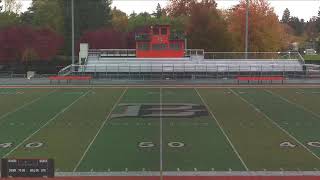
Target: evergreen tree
286,16
88,15
158,12
297,25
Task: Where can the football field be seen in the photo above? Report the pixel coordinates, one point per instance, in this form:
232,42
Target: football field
163,130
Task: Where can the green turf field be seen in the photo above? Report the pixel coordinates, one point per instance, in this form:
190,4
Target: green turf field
163,129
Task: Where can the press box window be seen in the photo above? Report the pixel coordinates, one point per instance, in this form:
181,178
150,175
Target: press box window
156,31
175,46
143,46
164,31
159,46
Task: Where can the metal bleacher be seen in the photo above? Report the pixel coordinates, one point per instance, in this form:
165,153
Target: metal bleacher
195,61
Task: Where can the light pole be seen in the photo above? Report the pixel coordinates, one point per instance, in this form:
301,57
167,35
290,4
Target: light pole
72,24
247,31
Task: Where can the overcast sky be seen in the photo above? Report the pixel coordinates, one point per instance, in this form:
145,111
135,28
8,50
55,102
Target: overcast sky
302,8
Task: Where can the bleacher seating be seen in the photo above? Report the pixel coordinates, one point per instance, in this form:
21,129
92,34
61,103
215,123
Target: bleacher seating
99,64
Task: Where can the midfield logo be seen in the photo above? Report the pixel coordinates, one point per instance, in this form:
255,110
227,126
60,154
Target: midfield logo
135,110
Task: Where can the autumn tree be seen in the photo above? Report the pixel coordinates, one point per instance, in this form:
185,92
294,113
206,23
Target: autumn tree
20,43
265,30
12,6
119,20
45,13
97,39
179,7
207,29
286,16
9,19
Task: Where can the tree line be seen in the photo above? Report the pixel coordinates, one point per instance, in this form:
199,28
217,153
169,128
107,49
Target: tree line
43,32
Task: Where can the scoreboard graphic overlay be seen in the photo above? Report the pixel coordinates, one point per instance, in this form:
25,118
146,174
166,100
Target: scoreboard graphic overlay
27,168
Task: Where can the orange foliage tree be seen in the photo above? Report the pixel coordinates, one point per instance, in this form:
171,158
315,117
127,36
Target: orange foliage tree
179,7
265,31
206,27
204,24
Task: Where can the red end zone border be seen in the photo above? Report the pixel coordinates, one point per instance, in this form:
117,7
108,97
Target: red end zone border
179,178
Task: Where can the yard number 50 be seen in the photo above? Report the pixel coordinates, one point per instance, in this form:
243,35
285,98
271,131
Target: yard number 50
170,144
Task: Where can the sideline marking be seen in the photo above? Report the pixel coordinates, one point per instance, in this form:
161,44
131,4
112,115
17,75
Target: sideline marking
277,125
25,105
293,103
48,122
102,125
214,117
161,139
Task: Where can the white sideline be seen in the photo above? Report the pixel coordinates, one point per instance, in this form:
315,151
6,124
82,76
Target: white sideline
276,124
214,117
161,138
190,173
102,125
293,103
24,105
48,122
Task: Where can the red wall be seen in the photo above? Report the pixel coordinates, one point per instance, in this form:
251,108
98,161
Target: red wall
160,54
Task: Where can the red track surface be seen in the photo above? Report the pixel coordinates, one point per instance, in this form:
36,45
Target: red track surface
181,178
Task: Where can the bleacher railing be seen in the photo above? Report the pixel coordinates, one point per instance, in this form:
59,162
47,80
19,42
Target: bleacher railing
254,55
132,52
112,52
180,68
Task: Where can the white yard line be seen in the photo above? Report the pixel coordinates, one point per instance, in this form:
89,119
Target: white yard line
102,125
24,105
276,124
161,138
224,133
293,103
47,123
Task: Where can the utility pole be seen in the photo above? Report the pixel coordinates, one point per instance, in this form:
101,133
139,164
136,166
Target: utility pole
72,22
247,31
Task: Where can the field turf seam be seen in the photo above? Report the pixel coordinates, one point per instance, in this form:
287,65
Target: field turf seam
293,103
100,128
276,124
47,123
24,105
222,130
